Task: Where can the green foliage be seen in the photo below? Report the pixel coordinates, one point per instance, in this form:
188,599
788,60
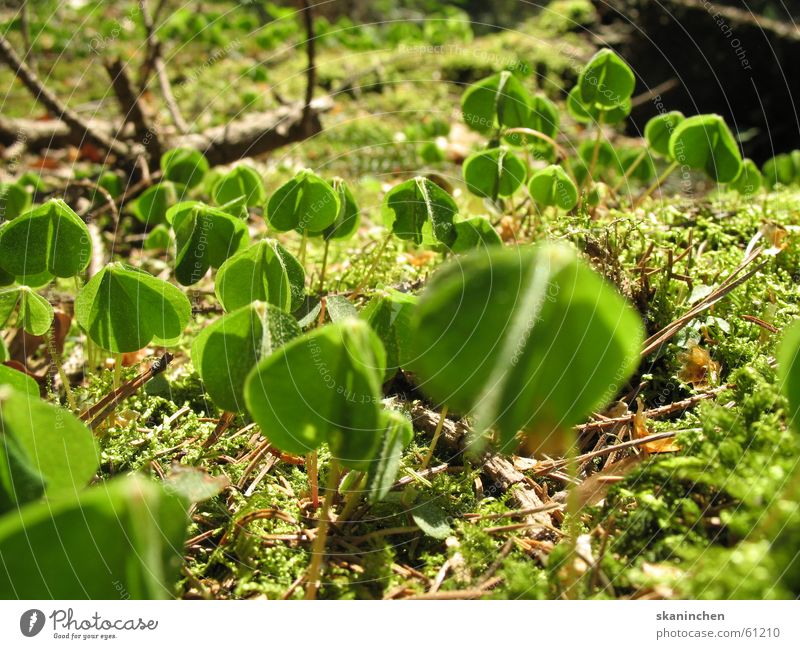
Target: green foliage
606,81
125,536
789,370
749,180
186,167
226,351
14,200
780,170
43,450
347,218
50,238
15,379
659,130
591,114
151,207
494,172
474,233
322,387
552,186
306,202
204,237
499,100
265,271
240,182
397,434
706,143
123,309
524,339
389,315
419,210
34,313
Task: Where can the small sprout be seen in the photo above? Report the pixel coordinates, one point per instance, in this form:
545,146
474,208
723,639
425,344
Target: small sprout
184,166
306,202
226,351
397,434
265,271
525,339
205,237
475,232
494,172
122,309
552,187
35,314
241,182
43,448
50,239
419,210
659,130
749,180
705,142
389,315
322,387
151,207
14,200
498,100
606,81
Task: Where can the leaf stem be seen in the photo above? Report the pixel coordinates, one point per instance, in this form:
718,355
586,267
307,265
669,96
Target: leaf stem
595,150
324,266
303,247
55,358
630,170
375,261
436,434
320,540
313,478
117,371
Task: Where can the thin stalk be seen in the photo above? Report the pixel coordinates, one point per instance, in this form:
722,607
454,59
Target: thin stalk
324,266
573,509
313,478
55,357
672,167
595,150
630,170
320,540
375,261
351,500
117,371
303,246
436,434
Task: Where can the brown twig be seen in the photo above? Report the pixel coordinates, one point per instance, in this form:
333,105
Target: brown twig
44,96
131,108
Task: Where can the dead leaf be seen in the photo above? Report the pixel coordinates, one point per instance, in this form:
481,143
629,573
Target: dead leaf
641,430
698,368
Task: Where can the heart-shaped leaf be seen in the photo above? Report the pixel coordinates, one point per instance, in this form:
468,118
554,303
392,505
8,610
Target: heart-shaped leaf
306,202
17,380
240,182
205,237
184,166
35,314
706,143
346,222
151,207
14,200
122,309
594,114
552,187
494,172
43,448
474,233
322,387
528,338
122,537
50,238
226,351
420,211
659,130
498,100
606,81
265,271
780,170
389,314
749,180
542,117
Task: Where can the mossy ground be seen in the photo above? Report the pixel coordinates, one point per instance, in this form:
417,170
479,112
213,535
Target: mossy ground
709,520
